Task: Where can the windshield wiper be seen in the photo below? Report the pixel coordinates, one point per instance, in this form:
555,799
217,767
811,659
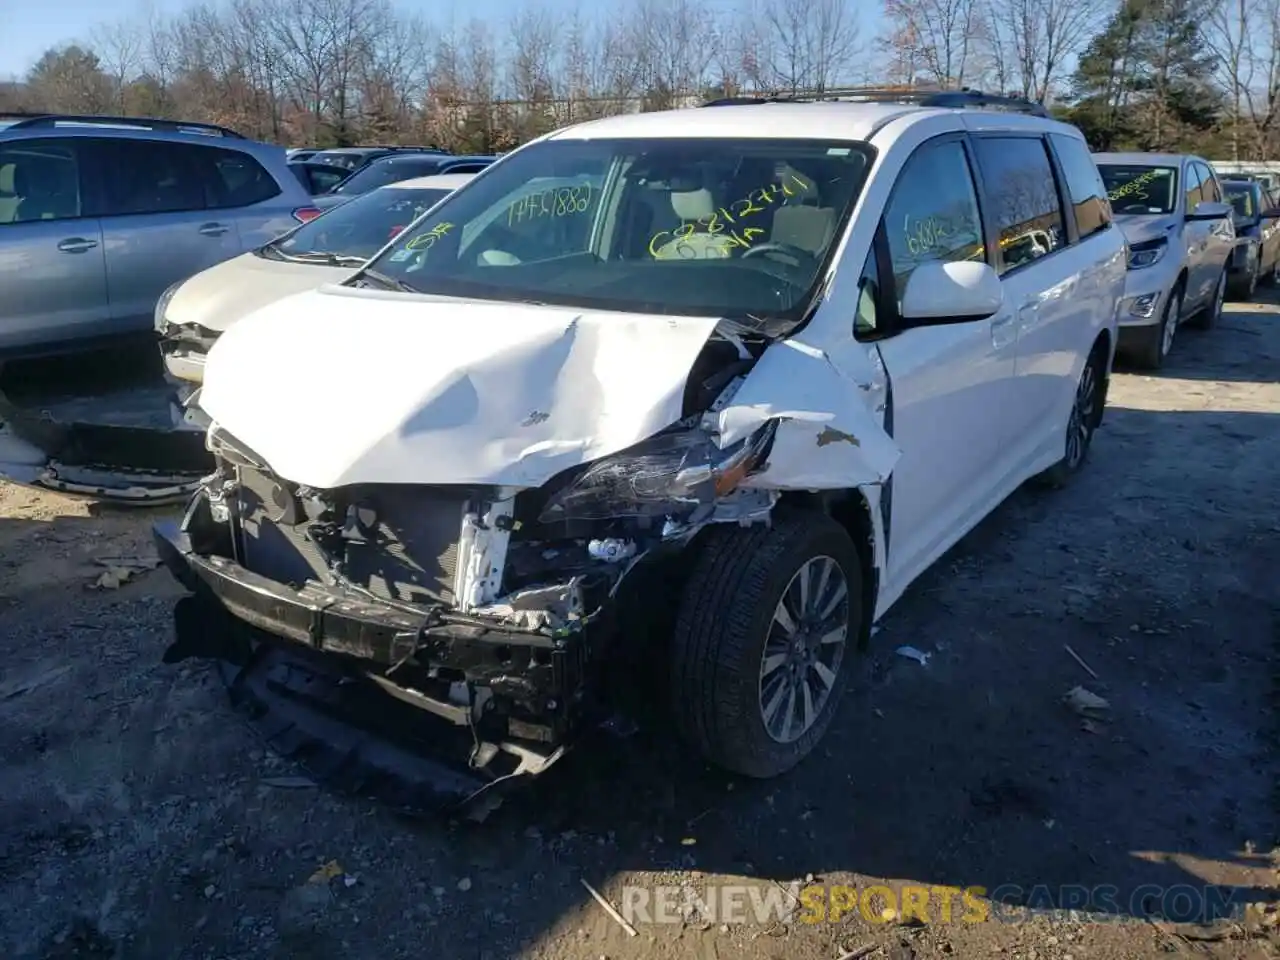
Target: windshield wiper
328,259
386,282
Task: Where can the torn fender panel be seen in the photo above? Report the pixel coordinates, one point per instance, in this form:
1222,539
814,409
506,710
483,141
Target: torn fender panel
340,386
829,437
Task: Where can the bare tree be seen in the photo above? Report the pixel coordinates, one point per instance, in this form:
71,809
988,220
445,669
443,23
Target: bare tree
1229,30
673,43
1034,39
940,33
796,45
120,48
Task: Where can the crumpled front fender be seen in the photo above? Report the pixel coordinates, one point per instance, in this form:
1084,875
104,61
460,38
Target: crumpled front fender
828,435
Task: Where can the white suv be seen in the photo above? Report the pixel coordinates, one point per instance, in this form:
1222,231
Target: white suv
756,366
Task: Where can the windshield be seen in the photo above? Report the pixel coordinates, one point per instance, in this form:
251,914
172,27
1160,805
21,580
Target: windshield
712,227
381,172
1133,189
1240,196
357,229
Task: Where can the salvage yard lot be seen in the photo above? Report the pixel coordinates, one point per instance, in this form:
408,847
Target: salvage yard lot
138,818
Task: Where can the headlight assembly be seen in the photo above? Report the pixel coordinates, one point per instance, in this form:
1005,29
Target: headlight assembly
671,475
1147,253
162,306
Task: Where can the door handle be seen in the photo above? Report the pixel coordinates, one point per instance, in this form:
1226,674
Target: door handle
77,245
214,229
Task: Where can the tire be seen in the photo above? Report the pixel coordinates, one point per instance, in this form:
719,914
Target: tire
1244,288
1208,318
1083,421
727,620
1272,278
1159,340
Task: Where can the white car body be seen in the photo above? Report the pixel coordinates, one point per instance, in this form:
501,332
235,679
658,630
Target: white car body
934,350
214,299
978,407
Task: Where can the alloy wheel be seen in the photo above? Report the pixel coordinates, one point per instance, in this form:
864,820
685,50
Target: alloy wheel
804,649
1171,313
1083,415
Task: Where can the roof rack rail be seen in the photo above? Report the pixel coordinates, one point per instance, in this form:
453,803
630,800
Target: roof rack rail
30,120
922,96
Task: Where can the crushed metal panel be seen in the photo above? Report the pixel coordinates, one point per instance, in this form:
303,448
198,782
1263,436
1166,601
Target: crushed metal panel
487,393
828,436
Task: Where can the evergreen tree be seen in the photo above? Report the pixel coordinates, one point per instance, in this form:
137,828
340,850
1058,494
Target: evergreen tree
1144,82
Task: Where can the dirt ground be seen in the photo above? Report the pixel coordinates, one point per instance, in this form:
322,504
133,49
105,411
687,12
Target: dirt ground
139,818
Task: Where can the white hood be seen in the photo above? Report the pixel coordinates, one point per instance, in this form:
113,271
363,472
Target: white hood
218,297
341,386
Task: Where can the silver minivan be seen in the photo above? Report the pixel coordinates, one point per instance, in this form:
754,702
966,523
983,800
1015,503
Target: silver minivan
99,215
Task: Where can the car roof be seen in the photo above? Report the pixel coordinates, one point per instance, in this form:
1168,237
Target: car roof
1137,158
410,156
805,120
439,181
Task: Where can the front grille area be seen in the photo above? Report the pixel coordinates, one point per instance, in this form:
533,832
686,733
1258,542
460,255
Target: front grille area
402,542
398,542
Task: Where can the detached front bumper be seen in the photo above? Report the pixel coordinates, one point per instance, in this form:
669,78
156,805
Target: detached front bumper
510,700
118,447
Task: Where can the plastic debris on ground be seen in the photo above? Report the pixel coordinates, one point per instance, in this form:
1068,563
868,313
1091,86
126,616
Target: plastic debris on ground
120,570
1087,704
912,653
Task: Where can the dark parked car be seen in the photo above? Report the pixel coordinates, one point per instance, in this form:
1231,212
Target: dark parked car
318,178
1257,222
354,157
390,169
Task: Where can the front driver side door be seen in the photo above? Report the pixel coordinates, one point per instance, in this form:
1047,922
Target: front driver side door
1195,235
951,412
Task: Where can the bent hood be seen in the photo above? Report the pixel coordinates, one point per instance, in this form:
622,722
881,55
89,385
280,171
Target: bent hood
218,297
1138,228
340,386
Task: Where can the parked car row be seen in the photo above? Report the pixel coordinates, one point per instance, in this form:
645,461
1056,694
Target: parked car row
707,387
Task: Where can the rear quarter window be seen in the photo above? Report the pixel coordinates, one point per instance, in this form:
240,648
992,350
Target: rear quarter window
1085,187
235,179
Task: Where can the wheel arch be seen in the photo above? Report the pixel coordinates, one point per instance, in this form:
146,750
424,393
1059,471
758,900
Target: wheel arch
852,510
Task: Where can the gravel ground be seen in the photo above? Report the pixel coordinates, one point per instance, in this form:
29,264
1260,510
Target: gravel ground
140,818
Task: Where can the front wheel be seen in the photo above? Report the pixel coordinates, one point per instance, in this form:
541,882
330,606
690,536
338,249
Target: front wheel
767,625
1158,340
1208,318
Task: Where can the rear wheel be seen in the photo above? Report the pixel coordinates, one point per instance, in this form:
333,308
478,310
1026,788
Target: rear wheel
1086,414
763,641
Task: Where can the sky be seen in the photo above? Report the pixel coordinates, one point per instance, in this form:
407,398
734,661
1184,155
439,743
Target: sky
30,28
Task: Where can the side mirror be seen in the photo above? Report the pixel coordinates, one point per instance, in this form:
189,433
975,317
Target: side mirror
1208,210
955,292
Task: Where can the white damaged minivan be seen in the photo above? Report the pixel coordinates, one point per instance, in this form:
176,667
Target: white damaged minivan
784,353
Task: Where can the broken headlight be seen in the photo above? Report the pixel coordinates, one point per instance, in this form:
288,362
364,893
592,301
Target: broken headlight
671,475
162,306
